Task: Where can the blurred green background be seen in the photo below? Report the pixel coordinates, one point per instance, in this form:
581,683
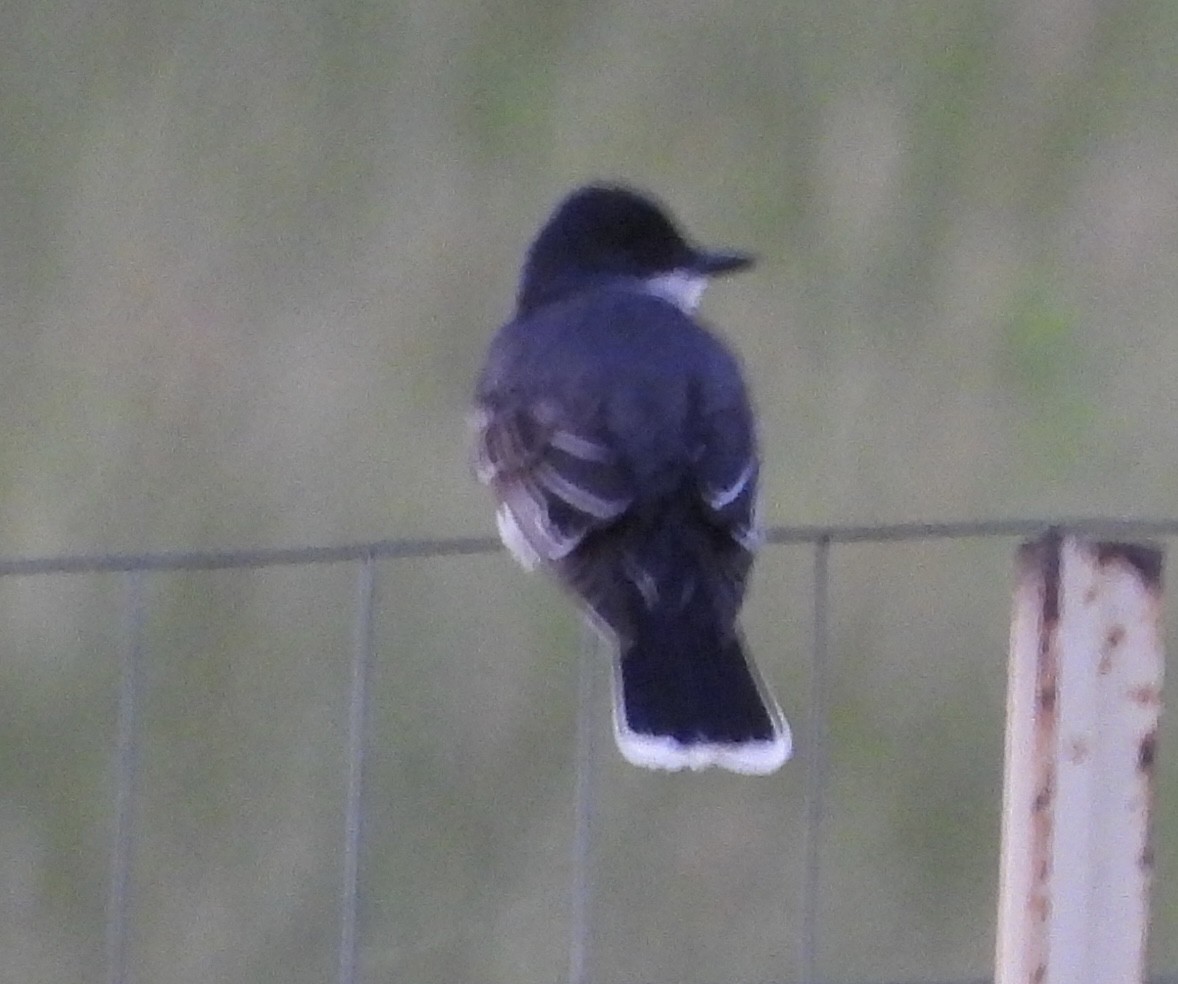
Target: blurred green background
251,254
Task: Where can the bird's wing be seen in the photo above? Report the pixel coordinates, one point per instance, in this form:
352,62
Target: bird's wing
727,469
555,478
727,472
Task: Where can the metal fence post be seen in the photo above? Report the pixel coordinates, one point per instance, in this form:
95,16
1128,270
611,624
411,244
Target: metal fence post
1082,713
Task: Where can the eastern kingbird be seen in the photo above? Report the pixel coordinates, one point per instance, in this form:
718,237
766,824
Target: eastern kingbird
616,433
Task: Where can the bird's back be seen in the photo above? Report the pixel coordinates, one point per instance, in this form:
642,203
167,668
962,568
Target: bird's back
629,366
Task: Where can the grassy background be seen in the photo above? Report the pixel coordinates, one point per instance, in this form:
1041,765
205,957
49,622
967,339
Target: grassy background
251,256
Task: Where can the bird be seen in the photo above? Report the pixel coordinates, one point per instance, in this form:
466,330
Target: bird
616,433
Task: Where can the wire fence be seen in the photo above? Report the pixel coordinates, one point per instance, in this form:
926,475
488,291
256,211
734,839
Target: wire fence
820,539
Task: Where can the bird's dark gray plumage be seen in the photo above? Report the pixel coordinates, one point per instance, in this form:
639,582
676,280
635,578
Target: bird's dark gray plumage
617,435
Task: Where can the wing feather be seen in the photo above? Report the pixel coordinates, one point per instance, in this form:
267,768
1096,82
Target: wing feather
554,478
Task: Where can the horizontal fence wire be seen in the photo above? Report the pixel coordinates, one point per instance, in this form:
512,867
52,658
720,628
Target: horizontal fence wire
1165,979
821,538
459,546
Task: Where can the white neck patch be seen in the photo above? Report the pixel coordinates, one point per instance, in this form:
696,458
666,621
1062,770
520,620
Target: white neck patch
683,288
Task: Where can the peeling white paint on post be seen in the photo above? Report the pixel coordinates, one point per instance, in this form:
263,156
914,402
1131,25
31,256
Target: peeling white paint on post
1082,713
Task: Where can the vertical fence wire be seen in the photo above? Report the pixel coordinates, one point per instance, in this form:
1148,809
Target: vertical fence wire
362,650
815,780
586,756
126,768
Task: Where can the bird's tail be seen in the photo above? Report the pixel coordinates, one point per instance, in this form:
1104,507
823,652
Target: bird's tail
687,696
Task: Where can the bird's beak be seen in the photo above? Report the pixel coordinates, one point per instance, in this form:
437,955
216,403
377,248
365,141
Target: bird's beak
714,262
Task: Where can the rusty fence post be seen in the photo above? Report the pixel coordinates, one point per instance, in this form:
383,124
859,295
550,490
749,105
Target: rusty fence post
1084,695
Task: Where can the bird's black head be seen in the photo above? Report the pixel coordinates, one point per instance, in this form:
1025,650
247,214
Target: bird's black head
603,233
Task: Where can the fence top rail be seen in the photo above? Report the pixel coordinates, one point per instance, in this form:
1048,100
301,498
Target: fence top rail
426,547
